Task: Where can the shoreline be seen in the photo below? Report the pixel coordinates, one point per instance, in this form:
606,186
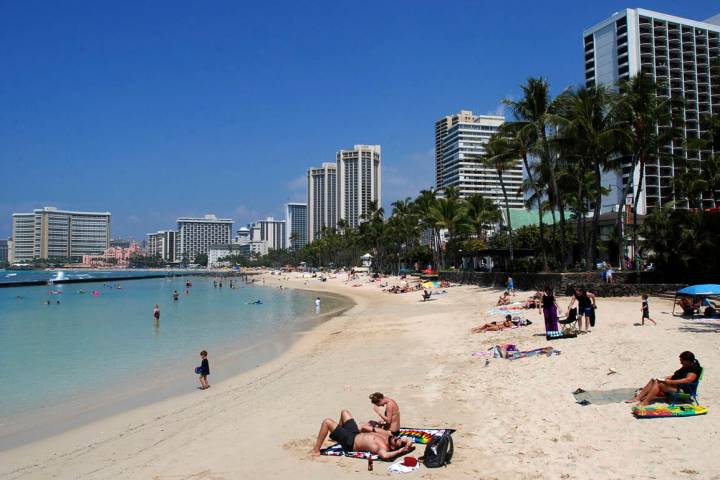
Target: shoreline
262,423
42,423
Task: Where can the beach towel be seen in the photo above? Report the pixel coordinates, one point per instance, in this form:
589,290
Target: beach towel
532,353
504,309
418,435
605,397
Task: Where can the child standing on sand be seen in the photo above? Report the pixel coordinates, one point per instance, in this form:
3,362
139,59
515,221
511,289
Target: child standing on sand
646,310
204,370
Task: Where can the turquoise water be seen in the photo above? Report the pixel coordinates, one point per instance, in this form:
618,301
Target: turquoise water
89,346
15,276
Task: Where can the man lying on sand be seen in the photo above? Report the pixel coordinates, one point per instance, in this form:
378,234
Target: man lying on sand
390,418
346,432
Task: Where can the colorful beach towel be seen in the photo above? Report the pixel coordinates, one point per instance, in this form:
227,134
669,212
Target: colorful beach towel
504,309
418,435
532,353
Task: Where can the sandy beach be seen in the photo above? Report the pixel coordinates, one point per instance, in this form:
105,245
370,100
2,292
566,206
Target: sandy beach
514,419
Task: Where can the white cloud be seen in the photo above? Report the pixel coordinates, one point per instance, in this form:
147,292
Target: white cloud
298,183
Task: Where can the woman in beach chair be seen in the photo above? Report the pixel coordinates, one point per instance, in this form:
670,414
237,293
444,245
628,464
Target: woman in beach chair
683,381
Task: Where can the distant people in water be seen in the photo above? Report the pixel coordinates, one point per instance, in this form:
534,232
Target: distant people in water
204,370
317,302
156,313
175,296
256,302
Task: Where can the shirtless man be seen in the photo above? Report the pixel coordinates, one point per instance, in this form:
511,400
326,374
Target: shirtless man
347,433
390,418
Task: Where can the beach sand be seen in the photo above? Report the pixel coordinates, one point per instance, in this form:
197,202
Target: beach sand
514,419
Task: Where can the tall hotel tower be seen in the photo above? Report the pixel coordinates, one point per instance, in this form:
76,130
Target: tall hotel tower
459,143
197,234
680,55
49,233
296,225
322,199
358,174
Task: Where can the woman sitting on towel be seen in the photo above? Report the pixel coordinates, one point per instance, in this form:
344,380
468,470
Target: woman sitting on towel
495,326
678,382
504,298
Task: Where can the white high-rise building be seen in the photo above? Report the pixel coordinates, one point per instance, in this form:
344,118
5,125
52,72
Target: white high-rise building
164,244
459,144
270,231
678,54
322,199
49,233
197,234
296,225
358,182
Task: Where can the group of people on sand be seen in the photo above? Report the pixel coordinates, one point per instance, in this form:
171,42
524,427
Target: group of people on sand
509,322
381,438
406,288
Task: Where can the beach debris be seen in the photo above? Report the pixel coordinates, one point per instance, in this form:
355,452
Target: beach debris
611,371
585,402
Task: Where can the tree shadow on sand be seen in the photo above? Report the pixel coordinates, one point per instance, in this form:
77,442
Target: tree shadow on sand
700,326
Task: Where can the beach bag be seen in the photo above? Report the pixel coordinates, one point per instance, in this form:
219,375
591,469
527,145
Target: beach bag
439,451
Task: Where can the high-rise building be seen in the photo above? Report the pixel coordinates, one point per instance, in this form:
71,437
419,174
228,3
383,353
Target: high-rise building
296,225
164,244
358,182
270,231
197,234
322,199
242,236
679,55
52,234
3,251
459,145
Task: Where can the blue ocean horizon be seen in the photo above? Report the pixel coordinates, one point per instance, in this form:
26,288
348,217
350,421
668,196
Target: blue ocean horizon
98,341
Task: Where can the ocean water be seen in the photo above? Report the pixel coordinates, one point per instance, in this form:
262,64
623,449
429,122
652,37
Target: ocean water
95,348
15,276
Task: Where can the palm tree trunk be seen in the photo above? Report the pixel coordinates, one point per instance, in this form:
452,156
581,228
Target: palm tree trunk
635,215
558,203
580,220
595,233
533,185
507,211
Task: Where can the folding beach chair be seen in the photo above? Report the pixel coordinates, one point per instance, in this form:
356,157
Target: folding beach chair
682,397
569,324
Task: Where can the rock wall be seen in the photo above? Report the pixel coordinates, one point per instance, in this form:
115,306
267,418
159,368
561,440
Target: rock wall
625,284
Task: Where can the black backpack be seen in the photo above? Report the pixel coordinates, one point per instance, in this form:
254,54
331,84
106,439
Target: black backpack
439,451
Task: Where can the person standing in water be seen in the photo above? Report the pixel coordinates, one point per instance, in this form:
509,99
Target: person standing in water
176,295
156,313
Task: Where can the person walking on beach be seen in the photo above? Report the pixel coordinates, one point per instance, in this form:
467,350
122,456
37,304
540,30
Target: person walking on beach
549,310
646,310
586,307
156,313
204,370
511,286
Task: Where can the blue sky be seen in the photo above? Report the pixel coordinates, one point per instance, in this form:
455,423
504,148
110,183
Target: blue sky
154,110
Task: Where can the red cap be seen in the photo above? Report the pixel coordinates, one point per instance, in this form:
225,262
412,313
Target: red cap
409,461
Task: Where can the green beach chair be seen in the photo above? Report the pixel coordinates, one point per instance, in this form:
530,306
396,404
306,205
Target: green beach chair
682,397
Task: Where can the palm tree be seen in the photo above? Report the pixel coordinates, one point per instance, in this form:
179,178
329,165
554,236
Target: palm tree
646,121
535,114
499,156
481,213
423,206
590,116
447,213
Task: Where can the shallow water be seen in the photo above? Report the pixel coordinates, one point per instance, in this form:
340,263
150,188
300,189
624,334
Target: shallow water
91,347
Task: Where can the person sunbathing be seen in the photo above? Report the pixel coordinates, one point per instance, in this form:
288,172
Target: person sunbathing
504,299
677,383
495,326
346,432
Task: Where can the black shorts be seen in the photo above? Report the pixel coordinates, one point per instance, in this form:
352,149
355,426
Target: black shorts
345,434
646,314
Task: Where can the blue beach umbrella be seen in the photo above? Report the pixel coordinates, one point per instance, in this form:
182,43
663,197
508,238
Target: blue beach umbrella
706,290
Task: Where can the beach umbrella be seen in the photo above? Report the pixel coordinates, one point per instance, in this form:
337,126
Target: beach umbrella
705,290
